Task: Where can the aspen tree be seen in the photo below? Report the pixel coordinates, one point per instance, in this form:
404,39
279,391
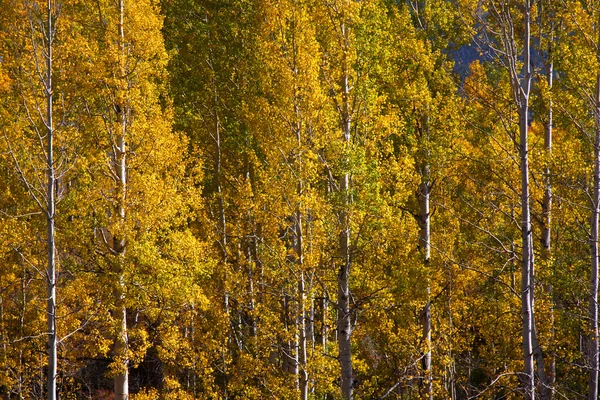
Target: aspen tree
513,49
293,101
342,16
548,25
35,79
581,49
51,211
135,206
353,43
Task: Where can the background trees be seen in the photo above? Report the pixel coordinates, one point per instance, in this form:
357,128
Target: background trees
291,198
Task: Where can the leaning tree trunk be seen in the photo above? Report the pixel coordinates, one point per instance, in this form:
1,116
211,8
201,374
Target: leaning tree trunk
50,214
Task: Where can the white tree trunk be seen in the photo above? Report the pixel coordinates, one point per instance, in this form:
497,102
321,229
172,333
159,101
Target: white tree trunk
548,392
523,88
121,385
121,379
51,211
302,354
302,361
593,306
344,325
425,247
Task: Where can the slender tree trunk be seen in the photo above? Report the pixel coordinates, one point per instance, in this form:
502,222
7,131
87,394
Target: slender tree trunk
547,391
527,283
424,221
121,379
218,175
424,245
302,361
344,325
593,311
51,210
324,328
302,353
222,240
290,347
547,201
537,349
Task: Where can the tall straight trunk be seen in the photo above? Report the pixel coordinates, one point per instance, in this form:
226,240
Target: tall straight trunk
547,391
218,173
526,284
50,213
121,379
424,220
344,325
222,223
302,361
425,247
547,201
526,281
302,353
593,311
527,271
120,312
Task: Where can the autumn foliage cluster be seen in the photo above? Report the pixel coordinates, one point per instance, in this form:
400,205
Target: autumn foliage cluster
248,199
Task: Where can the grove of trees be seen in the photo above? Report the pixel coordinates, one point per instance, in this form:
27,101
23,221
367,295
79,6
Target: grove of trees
311,199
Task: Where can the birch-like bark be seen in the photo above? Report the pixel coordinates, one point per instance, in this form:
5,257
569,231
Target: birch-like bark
423,195
521,87
218,174
302,353
222,223
121,379
302,361
50,214
593,306
547,201
547,390
290,354
520,79
425,247
324,328
344,325
527,245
